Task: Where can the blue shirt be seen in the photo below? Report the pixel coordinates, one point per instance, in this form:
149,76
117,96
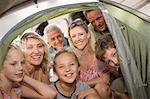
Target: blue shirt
52,51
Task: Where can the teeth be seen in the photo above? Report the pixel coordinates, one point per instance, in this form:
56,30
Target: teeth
19,74
68,75
36,57
79,43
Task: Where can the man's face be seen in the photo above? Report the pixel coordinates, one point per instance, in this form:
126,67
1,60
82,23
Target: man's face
55,38
96,18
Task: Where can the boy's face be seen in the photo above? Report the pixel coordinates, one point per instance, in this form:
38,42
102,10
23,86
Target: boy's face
66,67
111,57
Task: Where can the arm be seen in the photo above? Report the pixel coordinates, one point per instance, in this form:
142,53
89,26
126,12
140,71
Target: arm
38,90
45,78
101,85
87,94
102,78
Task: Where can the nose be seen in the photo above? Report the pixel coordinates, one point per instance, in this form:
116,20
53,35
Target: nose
56,40
97,22
35,50
115,61
77,38
68,68
20,67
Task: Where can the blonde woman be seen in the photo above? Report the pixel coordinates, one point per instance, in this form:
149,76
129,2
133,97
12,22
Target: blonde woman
36,55
80,38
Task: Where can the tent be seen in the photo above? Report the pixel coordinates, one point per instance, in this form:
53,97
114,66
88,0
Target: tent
129,27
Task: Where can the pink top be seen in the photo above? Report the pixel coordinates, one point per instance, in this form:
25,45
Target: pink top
89,73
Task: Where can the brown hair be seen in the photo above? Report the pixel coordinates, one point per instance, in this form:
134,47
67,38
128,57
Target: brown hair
102,44
87,11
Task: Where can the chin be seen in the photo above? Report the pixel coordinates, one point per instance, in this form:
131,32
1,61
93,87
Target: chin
37,63
18,79
71,82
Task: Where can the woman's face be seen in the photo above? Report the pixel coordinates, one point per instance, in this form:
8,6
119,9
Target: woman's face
111,57
34,51
79,37
13,65
66,67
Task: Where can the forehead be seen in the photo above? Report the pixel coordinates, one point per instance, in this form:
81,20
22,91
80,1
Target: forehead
76,30
14,54
33,41
65,54
94,13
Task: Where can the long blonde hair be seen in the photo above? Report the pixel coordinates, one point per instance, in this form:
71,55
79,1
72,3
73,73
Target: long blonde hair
46,60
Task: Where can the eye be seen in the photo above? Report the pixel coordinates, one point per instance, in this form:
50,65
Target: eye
81,34
59,36
23,62
52,39
40,46
13,64
29,47
115,54
60,66
73,36
72,64
98,18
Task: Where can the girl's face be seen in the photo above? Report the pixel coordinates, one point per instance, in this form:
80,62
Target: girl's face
111,57
13,65
79,37
34,51
66,67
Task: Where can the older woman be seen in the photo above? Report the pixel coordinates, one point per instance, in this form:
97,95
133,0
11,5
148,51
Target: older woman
36,55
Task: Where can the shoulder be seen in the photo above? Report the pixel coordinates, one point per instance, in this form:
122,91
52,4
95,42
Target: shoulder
82,85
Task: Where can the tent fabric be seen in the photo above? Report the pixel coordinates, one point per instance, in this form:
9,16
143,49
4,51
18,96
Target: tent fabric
139,48
128,67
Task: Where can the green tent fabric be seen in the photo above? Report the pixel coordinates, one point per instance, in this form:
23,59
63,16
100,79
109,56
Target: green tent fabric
127,58
139,47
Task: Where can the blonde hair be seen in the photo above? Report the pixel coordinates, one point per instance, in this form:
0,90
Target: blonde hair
46,60
65,50
79,22
11,46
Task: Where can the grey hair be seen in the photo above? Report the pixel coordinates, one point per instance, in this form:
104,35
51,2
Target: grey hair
50,28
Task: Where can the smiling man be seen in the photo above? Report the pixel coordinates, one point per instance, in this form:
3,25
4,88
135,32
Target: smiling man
55,39
97,25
